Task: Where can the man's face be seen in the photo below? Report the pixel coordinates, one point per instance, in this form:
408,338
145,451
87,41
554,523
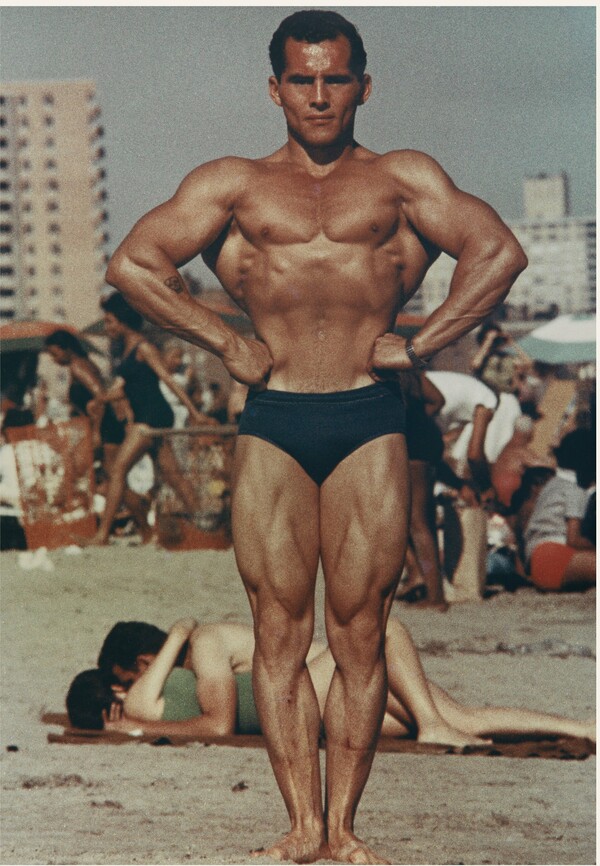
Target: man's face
126,677
318,92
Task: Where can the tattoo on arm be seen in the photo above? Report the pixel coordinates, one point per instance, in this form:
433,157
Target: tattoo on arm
176,284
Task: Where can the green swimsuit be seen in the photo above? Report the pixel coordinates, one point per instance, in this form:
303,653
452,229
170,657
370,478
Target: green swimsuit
181,702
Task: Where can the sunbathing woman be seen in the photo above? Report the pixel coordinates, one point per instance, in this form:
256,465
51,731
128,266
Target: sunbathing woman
150,695
138,378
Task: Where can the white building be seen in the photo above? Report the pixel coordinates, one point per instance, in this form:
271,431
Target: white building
561,250
52,202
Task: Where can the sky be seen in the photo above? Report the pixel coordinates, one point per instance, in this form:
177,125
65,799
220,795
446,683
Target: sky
494,93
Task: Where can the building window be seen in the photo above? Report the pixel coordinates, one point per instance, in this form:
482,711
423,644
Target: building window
22,100
4,185
50,142
22,143
7,272
31,272
24,185
3,142
52,183
60,312
24,121
2,120
30,250
53,229
55,249
25,164
5,228
3,163
7,293
52,206
49,120
56,290
32,292
50,164
5,249
27,228
7,314
27,207
56,270
48,99
5,206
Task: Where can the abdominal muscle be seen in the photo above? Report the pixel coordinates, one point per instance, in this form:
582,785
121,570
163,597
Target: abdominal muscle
320,312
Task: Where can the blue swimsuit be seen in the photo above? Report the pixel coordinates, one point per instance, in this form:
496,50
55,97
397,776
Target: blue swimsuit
320,430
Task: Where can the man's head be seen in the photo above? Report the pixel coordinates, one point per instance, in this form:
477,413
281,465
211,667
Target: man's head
128,649
89,695
319,81
314,26
577,451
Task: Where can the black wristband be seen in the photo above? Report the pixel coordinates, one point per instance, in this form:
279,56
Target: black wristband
418,363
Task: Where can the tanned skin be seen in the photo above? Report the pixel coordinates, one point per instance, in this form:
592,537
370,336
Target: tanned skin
321,243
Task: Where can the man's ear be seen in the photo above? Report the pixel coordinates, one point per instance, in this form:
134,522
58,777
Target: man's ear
143,661
367,87
274,90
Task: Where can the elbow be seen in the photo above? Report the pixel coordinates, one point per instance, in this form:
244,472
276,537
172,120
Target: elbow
221,727
116,271
513,258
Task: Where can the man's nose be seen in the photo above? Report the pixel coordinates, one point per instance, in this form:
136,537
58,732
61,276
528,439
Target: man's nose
320,95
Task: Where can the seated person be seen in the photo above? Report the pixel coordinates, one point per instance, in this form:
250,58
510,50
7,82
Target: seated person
558,555
514,459
210,694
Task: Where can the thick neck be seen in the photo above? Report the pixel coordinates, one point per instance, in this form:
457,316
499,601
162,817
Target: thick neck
320,160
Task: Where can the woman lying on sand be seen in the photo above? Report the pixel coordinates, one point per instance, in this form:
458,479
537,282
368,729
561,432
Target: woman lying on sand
148,689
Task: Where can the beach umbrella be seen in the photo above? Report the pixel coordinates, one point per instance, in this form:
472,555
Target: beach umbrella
25,336
569,339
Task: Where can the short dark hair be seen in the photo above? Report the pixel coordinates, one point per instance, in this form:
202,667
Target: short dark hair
316,25
121,310
89,694
126,641
65,340
577,451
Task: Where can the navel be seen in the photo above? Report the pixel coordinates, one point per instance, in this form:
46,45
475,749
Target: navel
374,228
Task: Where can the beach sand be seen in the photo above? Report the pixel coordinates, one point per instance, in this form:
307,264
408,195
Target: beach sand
139,803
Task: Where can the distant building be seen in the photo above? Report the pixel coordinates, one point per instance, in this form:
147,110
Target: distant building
561,250
52,202
546,196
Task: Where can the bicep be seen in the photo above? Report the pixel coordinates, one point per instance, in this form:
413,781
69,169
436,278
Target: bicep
447,216
186,224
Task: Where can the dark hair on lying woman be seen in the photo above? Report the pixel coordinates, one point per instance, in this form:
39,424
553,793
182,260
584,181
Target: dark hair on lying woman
89,694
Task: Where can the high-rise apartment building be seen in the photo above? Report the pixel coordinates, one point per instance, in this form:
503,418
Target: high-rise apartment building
52,202
546,196
561,250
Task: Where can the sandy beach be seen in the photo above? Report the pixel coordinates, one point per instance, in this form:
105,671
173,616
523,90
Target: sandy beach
139,803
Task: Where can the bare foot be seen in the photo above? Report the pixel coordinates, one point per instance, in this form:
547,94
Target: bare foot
299,846
445,735
350,849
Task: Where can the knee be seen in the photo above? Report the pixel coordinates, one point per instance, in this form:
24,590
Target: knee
358,643
282,636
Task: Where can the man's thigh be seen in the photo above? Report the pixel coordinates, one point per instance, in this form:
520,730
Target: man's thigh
275,525
364,513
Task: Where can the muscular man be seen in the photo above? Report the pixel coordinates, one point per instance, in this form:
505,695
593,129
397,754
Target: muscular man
321,242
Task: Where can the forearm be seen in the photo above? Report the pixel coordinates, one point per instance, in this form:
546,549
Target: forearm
479,284
142,697
154,287
199,726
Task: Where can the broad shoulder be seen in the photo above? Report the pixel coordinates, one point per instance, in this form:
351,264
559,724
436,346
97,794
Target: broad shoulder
415,171
224,175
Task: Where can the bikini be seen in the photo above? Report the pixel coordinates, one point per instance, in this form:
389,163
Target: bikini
320,430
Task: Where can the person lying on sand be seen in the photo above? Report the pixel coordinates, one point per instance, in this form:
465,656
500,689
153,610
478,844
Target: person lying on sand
197,681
